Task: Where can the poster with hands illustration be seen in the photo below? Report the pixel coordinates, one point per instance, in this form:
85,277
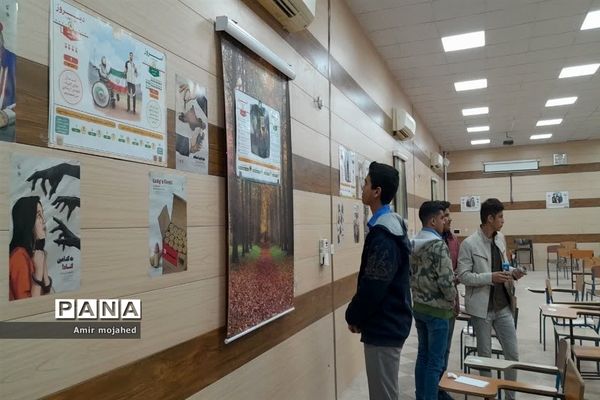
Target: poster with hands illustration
45,244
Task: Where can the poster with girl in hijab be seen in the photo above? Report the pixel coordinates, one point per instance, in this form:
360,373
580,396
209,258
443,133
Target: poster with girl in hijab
45,248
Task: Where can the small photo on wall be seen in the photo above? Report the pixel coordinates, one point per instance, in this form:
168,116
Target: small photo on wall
557,199
470,204
45,244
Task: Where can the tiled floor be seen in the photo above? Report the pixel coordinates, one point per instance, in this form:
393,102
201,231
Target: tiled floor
529,347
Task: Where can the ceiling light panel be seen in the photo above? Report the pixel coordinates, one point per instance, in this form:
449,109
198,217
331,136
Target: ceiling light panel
464,41
480,141
475,111
562,101
591,21
578,70
483,128
540,136
470,85
546,122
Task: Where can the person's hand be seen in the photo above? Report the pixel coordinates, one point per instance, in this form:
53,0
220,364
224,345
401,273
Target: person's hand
66,201
501,277
353,329
53,175
66,237
39,261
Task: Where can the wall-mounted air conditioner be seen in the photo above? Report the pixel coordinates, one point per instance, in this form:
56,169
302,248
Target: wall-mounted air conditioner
294,15
436,161
403,124
511,166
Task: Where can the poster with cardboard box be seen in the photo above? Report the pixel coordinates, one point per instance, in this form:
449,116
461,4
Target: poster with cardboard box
45,245
167,224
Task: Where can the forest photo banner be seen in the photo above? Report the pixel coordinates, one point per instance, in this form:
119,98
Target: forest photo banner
260,191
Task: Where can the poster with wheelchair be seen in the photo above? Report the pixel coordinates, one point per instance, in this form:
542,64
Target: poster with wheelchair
107,89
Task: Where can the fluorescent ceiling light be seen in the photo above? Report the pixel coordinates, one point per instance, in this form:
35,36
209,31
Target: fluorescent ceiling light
475,111
591,21
480,141
483,128
540,136
563,101
546,122
511,166
579,70
470,85
464,41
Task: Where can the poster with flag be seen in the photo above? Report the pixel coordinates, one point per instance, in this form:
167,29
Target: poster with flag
107,89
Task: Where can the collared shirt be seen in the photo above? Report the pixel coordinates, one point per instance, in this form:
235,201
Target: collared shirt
436,233
385,209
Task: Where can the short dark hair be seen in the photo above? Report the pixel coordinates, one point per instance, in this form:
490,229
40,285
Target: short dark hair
490,207
386,178
446,204
430,209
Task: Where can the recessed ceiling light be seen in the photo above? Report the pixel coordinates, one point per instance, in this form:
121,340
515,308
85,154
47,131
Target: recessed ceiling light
578,70
561,101
475,111
483,128
480,141
464,41
591,21
546,122
470,85
540,136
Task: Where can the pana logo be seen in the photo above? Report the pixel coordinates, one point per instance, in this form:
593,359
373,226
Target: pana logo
98,309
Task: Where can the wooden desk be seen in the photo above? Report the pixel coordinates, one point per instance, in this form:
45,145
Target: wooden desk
570,312
490,391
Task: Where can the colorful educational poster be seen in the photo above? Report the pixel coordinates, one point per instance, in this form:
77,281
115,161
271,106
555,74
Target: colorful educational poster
8,68
45,244
347,172
557,199
260,278
107,89
258,142
470,204
167,224
191,126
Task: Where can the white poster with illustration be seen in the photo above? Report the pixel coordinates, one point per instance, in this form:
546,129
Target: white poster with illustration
8,69
340,223
258,140
45,244
557,199
470,204
107,89
191,126
167,224
347,172
362,172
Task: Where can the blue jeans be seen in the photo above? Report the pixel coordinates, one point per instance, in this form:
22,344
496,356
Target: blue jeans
433,340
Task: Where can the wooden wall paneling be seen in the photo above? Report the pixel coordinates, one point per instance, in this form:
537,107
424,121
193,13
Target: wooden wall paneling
350,359
309,144
346,262
348,136
310,176
32,27
311,208
308,274
170,316
304,110
114,264
309,373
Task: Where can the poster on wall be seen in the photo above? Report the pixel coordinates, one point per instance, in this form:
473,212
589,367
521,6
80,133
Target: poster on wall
340,222
347,172
167,224
259,190
191,126
363,171
8,68
355,223
258,139
107,89
45,245
557,199
470,204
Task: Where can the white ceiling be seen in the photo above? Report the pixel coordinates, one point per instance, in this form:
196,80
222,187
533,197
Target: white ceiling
528,42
